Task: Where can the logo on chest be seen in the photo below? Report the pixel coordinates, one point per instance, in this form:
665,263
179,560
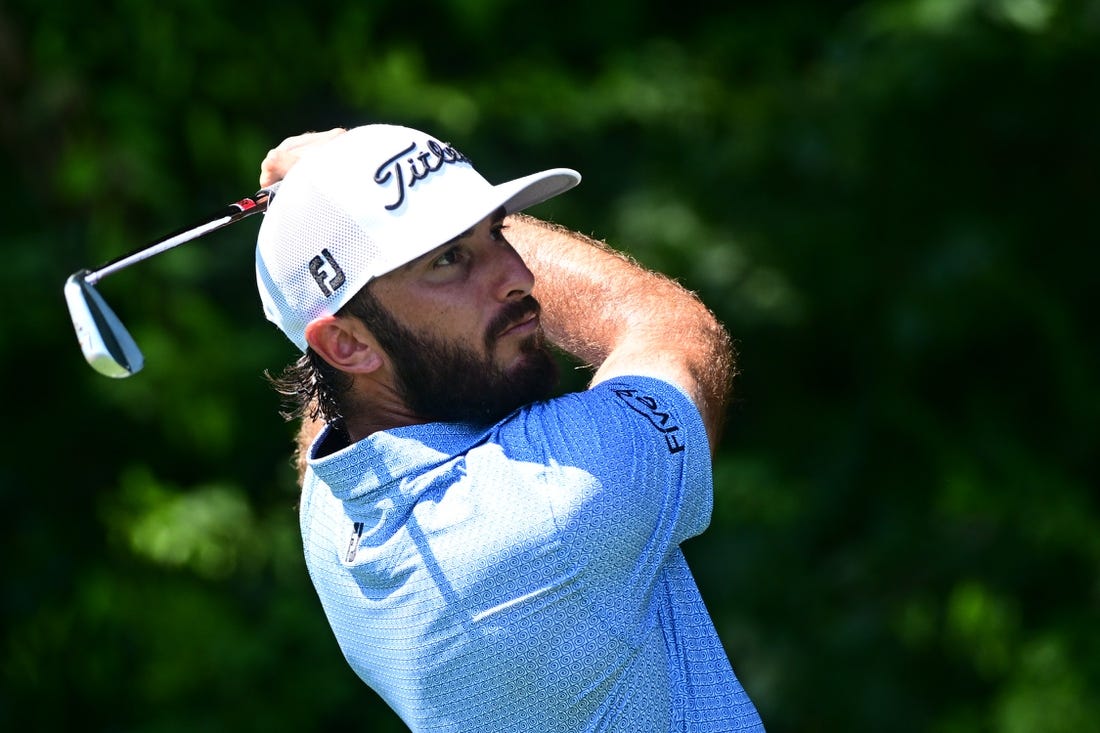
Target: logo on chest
353,542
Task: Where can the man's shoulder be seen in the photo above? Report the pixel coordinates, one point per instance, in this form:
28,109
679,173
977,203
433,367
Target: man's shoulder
621,391
602,417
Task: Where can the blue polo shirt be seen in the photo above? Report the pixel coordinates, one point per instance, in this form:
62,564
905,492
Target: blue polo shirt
527,576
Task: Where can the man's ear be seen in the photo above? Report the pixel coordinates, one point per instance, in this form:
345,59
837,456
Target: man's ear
344,343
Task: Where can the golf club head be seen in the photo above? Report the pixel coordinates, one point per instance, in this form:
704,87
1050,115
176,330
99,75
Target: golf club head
106,343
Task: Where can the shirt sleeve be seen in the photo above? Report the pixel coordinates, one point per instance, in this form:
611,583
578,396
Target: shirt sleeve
643,444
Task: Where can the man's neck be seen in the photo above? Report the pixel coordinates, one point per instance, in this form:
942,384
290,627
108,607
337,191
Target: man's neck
375,405
367,419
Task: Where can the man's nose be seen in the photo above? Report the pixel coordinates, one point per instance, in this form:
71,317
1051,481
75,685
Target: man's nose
514,279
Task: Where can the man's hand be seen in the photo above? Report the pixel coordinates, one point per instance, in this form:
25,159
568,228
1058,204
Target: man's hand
282,157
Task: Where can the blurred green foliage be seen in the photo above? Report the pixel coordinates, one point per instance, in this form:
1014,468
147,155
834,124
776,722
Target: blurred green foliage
889,204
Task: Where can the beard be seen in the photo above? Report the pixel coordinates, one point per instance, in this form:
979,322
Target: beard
442,381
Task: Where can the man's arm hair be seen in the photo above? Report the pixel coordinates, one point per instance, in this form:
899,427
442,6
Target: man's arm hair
621,319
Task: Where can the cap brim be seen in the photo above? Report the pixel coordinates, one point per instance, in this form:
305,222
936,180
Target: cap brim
523,192
512,196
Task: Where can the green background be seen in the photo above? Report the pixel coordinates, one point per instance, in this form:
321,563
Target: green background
892,206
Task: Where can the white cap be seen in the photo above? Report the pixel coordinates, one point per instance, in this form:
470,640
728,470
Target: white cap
366,203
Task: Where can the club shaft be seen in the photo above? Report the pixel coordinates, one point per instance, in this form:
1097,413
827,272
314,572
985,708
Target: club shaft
234,212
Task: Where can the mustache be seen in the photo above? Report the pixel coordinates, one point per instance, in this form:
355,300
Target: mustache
511,314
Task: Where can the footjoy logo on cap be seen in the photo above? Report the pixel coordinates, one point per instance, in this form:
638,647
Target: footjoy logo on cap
430,161
329,280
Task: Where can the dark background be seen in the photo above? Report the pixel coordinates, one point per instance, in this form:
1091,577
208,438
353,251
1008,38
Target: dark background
890,204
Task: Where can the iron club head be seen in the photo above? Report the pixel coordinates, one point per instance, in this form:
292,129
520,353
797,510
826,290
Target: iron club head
106,343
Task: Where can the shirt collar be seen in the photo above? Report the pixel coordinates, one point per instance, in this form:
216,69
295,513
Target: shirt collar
388,456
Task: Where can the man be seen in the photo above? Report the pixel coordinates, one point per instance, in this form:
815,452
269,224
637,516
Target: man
490,557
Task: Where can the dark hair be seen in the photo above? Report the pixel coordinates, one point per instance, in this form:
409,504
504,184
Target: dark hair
312,388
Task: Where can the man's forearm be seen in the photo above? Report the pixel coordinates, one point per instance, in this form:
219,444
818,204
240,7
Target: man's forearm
622,319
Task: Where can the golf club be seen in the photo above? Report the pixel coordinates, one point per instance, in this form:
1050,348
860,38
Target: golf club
107,345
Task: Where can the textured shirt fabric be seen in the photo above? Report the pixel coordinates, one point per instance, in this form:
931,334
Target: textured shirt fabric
527,576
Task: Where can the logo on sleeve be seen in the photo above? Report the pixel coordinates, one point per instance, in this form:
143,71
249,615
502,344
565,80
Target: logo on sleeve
661,419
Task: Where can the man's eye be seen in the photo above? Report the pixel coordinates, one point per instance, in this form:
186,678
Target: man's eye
498,231
451,257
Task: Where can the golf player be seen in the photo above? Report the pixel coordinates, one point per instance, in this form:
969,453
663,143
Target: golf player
492,556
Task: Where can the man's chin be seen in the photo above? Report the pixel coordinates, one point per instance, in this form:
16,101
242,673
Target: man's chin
534,373
442,385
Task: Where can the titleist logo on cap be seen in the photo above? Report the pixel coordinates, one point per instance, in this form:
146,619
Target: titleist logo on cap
408,167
